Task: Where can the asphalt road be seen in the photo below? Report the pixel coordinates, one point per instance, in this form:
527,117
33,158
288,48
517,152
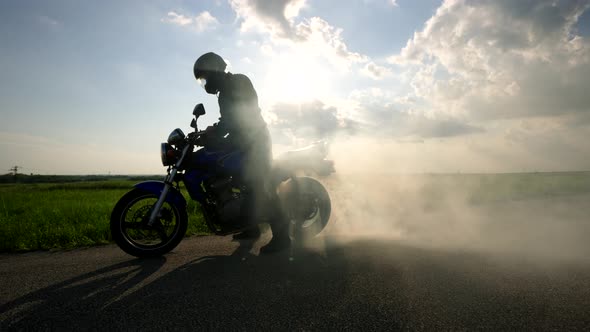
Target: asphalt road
331,284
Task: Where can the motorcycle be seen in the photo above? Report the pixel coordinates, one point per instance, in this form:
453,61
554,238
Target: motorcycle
151,219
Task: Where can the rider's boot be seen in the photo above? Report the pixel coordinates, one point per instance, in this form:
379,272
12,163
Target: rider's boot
250,233
280,239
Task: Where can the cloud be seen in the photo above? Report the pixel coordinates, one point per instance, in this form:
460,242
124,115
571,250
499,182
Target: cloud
307,121
275,17
388,121
317,120
512,146
510,74
501,59
278,20
203,21
375,71
177,19
423,127
322,39
476,80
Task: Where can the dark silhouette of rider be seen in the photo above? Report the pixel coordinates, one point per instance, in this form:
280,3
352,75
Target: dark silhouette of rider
245,130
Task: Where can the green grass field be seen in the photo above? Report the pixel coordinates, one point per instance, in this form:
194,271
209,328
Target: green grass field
65,215
74,214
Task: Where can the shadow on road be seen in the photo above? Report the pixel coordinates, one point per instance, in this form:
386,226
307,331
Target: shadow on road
369,285
79,298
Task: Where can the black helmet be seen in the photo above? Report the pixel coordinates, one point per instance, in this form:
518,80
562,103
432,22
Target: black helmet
208,62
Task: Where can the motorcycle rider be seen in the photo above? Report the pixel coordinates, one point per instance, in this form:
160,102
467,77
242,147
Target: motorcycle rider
248,133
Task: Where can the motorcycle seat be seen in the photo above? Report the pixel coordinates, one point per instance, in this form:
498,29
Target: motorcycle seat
315,151
310,159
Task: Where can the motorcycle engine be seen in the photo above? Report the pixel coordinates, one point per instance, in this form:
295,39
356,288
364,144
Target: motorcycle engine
229,199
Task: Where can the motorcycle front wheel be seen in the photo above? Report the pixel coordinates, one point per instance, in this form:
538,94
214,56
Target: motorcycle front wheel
130,230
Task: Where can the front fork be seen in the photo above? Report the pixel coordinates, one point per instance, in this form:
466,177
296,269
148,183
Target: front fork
167,185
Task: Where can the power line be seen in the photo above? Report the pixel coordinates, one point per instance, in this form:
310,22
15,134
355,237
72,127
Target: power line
36,169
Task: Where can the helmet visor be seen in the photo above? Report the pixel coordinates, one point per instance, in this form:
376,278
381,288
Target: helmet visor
202,82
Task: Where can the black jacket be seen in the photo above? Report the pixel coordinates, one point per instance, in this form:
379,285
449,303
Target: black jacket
239,110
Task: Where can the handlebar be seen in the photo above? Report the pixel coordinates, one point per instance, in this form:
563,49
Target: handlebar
197,137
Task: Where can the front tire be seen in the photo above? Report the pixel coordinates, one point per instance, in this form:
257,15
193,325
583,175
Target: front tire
129,227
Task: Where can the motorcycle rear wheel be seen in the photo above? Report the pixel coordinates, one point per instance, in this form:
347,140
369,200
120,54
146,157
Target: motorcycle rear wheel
308,207
129,227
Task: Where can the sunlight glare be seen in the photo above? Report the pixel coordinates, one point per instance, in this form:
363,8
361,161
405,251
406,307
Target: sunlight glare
294,78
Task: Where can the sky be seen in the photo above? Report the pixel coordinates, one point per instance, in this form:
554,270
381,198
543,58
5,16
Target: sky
91,87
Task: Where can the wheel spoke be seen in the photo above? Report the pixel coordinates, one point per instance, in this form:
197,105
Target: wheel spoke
161,232
133,225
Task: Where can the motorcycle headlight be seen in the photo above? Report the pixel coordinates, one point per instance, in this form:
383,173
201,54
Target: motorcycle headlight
176,137
168,154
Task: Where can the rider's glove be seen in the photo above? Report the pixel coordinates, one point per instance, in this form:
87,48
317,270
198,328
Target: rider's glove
210,131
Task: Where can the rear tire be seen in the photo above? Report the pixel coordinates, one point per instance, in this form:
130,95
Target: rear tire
308,207
129,225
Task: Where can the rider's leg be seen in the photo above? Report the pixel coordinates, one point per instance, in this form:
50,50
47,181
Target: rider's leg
280,231
257,170
250,215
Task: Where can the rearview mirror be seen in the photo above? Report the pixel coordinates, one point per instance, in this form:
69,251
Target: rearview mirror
199,110
194,124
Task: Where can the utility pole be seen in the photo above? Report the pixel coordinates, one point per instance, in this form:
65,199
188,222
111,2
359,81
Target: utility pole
14,171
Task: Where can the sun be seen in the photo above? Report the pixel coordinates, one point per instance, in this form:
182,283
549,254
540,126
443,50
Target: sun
294,78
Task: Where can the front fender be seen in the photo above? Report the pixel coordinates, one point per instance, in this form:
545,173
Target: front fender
156,187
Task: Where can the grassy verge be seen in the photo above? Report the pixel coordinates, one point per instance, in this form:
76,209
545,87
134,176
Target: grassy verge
65,215
68,215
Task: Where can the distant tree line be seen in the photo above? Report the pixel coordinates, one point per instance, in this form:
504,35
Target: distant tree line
35,178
